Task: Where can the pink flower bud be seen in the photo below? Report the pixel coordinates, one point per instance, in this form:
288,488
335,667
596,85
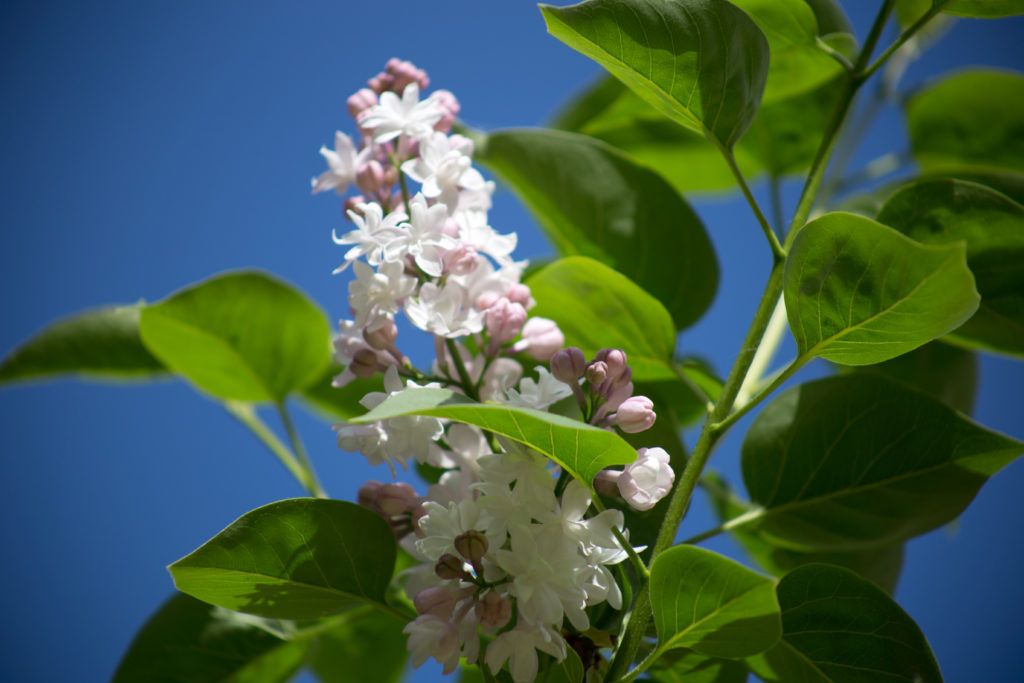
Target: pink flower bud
362,100
364,363
635,414
606,482
382,338
462,260
485,301
415,516
519,294
367,495
504,320
568,364
596,374
403,73
449,567
370,178
353,203
450,105
647,480
439,601
493,611
396,499
380,83
615,359
472,545
541,338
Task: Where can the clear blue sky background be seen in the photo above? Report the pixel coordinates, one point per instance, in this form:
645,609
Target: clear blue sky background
149,145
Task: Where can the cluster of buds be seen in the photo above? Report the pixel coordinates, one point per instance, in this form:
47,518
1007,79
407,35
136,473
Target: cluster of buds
397,503
606,395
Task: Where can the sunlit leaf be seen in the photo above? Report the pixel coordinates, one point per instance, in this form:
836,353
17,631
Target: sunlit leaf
944,211
841,628
984,9
241,335
576,291
99,344
858,292
711,604
303,558
580,448
703,64
189,640
594,201
858,460
969,120
685,666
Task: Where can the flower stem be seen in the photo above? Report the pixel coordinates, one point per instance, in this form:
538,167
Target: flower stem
778,253
300,451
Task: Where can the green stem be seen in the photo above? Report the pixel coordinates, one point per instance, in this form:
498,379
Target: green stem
638,564
775,185
246,414
745,407
833,53
778,253
742,520
313,485
906,35
464,379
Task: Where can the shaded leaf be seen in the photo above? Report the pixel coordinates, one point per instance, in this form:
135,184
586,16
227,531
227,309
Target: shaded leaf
594,201
303,558
944,211
858,292
703,64
858,460
969,120
339,402
984,9
99,344
712,605
841,628
569,670
685,666
189,640
576,291
240,335
580,448
367,646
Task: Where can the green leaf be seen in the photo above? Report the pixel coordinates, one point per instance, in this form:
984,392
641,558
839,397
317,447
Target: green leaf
881,564
580,448
303,558
569,670
984,9
594,201
99,344
366,646
943,211
339,402
712,605
797,63
240,335
840,628
701,63
970,120
858,292
576,291
189,640
685,666
945,372
858,460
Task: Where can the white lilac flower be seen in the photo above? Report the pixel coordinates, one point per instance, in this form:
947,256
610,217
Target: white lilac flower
342,163
538,394
598,583
441,525
595,531
376,293
519,647
444,311
485,284
373,231
409,116
443,169
432,636
476,233
423,238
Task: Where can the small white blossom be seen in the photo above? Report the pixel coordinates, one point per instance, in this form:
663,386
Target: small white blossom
423,237
519,647
342,163
444,311
443,169
373,231
540,394
375,293
392,116
476,233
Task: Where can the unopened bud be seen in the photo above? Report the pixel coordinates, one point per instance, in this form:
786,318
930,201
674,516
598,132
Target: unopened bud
370,177
364,363
493,611
461,260
615,359
568,364
383,337
353,204
541,338
439,601
367,495
648,479
359,102
472,545
449,567
606,483
519,293
596,373
403,73
415,515
635,414
396,499
504,321
450,107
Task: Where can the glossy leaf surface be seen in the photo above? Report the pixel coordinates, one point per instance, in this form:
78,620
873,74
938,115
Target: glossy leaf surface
685,666
240,335
702,63
970,120
365,646
302,558
594,201
945,372
189,640
102,343
944,211
857,460
580,448
858,292
841,628
712,605
576,291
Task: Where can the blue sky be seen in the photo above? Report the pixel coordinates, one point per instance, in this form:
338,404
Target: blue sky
149,145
